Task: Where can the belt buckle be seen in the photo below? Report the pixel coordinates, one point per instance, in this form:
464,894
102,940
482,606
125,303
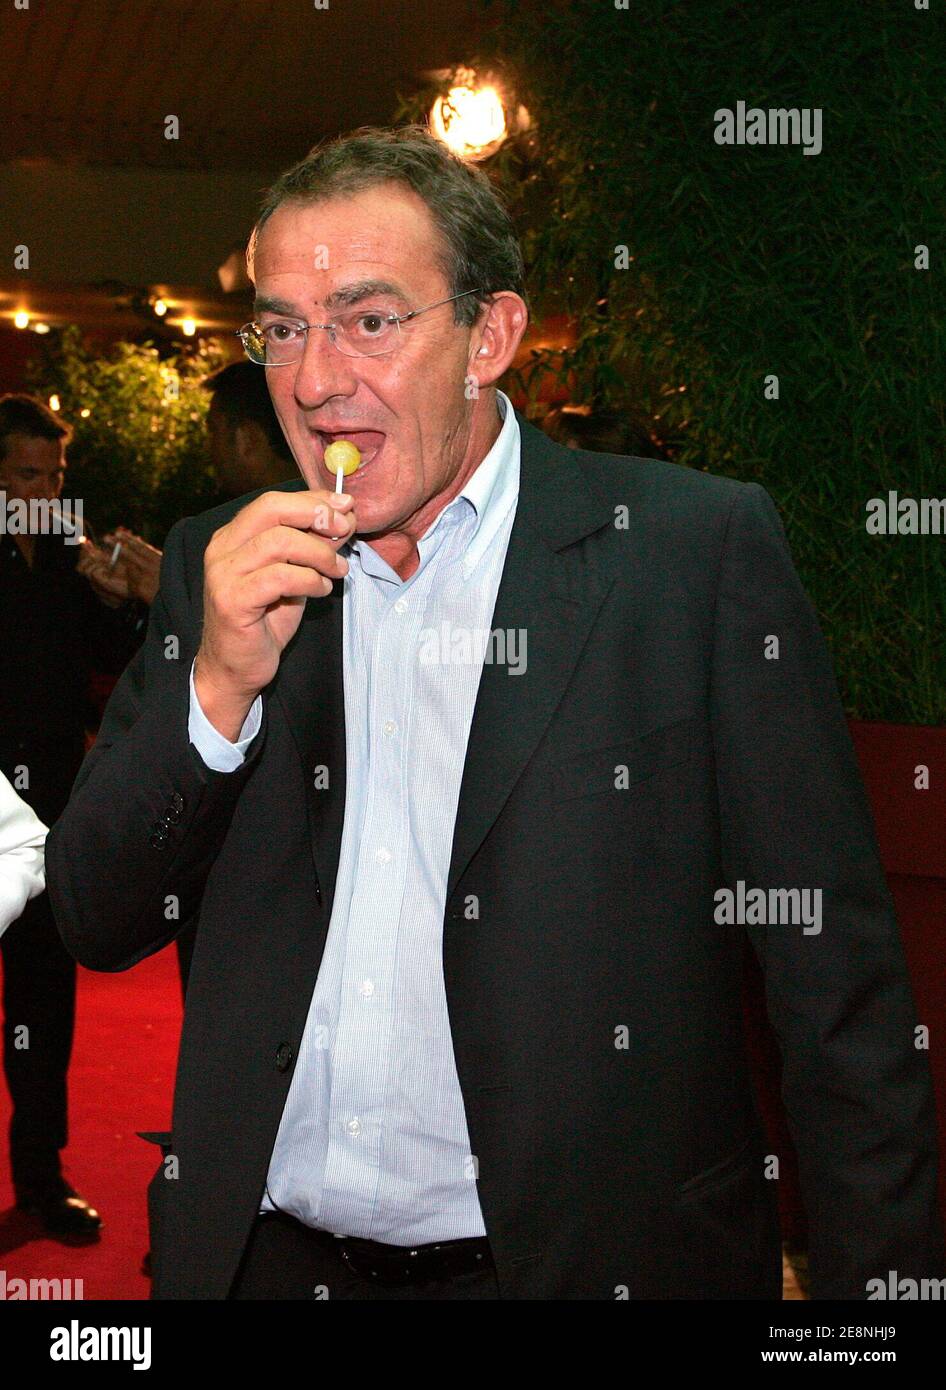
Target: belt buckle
360,1264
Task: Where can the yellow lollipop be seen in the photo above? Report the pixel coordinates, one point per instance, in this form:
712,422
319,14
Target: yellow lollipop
341,458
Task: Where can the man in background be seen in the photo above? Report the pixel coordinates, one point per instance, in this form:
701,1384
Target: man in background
248,449
55,629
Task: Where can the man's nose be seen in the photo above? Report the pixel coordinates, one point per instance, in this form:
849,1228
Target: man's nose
323,371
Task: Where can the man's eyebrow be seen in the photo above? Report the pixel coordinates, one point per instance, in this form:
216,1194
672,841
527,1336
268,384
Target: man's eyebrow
343,297
267,303
363,289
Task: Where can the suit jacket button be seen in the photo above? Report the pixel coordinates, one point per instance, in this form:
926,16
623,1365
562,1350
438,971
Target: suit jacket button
284,1056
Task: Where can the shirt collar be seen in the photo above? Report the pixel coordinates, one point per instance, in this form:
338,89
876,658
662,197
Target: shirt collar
490,491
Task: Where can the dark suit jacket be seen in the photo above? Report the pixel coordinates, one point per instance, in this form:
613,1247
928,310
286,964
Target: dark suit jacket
602,1166
54,632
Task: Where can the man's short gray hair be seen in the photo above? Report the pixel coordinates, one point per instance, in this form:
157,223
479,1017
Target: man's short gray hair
480,249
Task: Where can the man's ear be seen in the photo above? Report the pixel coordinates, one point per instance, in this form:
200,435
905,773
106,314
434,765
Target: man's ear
495,341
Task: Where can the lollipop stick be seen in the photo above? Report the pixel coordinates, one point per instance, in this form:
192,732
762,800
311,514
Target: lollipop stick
338,479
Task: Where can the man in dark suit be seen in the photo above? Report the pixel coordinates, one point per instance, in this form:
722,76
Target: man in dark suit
464,1012
56,627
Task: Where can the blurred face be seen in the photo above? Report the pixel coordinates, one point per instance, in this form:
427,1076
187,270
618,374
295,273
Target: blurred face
223,452
407,412
33,468
216,436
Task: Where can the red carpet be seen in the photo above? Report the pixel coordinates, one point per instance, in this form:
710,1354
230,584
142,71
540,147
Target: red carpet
121,1080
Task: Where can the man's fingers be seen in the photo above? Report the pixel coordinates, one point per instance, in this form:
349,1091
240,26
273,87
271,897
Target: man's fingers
302,510
134,545
140,564
266,586
285,544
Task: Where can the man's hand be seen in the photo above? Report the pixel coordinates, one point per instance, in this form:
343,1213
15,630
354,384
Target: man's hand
258,571
110,586
138,564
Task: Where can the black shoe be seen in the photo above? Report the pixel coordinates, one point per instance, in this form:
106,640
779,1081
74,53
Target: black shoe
62,1211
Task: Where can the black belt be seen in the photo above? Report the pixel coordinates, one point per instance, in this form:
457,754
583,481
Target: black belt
404,1264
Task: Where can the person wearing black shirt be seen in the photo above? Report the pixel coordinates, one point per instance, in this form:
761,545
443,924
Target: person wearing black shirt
55,629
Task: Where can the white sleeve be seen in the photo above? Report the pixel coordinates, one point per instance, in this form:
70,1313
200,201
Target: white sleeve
218,752
22,869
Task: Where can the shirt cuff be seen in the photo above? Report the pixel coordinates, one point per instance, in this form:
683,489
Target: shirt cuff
219,754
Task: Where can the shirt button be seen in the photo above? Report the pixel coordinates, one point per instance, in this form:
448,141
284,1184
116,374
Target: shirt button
401,606
366,988
383,856
354,1127
389,727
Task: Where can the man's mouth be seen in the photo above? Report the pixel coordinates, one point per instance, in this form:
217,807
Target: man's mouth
369,442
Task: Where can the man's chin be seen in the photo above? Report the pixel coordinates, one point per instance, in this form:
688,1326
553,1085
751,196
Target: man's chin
373,521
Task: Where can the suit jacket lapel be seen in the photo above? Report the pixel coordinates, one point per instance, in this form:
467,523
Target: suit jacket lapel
544,595
309,686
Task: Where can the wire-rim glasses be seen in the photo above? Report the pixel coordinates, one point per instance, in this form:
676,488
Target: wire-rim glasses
357,333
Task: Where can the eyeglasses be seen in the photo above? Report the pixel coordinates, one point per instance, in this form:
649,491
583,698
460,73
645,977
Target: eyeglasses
360,333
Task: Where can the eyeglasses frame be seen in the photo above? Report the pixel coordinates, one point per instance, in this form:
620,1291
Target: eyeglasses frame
331,329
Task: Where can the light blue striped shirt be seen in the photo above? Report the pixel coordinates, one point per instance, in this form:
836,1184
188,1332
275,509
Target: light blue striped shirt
373,1139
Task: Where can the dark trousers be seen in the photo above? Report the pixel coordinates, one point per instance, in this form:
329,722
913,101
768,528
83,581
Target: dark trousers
39,978
39,992
284,1259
